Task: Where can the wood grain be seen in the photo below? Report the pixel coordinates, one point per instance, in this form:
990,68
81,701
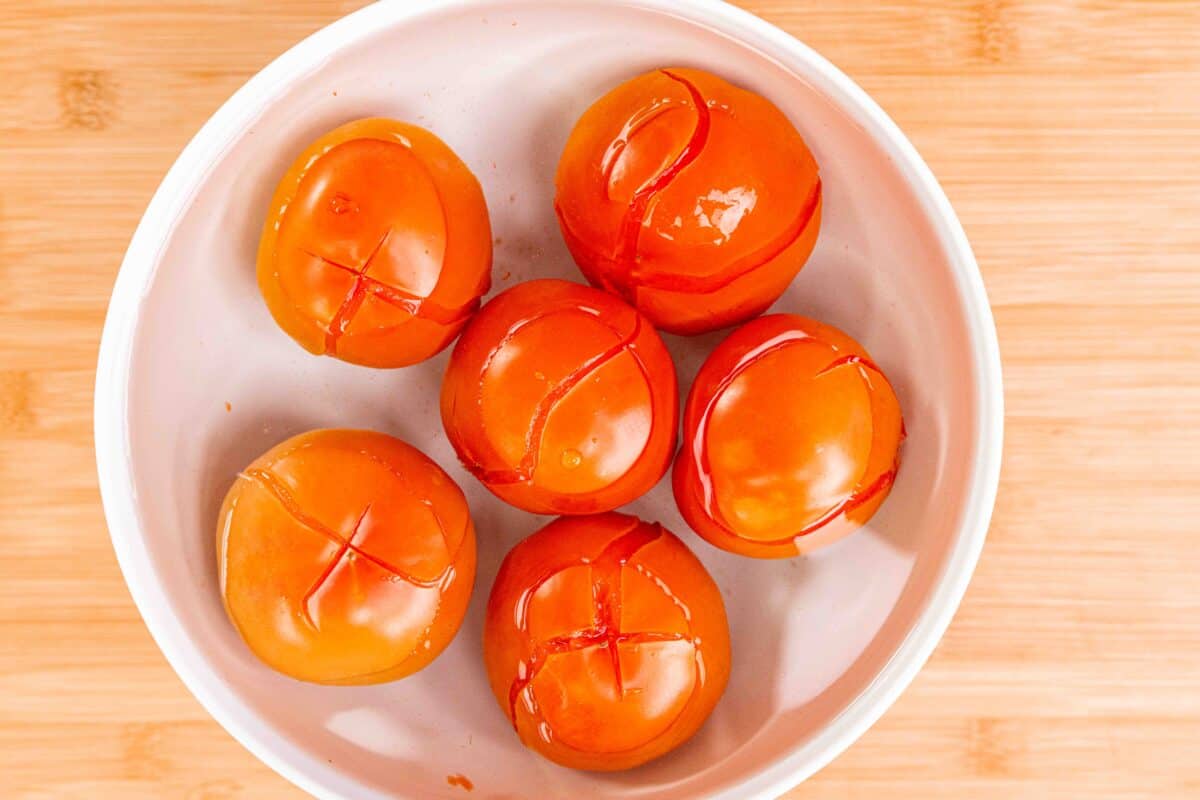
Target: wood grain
1067,134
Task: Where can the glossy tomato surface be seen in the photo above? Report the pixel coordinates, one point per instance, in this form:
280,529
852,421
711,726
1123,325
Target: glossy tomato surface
606,641
345,557
377,245
695,200
790,439
561,399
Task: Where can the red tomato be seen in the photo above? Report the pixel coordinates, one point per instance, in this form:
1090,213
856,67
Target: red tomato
561,399
791,437
606,641
377,245
696,201
345,557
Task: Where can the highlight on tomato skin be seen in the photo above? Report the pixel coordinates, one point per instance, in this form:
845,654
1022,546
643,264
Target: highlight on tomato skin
791,437
345,557
695,200
561,399
606,641
377,245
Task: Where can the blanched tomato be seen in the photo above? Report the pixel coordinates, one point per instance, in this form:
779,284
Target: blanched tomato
606,641
377,245
791,435
695,200
561,399
345,557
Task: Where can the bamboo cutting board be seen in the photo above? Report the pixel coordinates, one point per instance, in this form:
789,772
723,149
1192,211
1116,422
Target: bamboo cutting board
1067,135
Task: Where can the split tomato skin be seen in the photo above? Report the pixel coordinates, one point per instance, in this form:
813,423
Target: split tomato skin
606,641
791,437
345,557
695,200
561,399
377,245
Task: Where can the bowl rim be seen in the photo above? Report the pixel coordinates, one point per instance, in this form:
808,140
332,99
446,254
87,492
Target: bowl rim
175,194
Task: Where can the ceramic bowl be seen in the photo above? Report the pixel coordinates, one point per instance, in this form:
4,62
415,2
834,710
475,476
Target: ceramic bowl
195,380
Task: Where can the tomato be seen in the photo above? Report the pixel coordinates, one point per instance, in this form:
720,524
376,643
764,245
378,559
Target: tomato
791,436
561,399
696,201
345,557
606,641
377,245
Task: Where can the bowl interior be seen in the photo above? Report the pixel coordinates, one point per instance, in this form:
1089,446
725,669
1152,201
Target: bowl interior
213,383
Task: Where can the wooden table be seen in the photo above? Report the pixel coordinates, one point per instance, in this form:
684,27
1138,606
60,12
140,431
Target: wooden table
1068,137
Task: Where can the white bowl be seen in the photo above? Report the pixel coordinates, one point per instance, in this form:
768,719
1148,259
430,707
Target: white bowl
822,645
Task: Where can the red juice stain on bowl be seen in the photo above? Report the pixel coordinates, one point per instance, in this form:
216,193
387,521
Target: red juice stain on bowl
462,781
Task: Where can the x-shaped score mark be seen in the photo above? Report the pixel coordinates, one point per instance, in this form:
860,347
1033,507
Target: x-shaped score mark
367,286
347,549
606,593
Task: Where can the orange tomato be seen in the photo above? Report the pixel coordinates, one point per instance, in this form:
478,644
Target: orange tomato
561,399
696,201
345,557
377,245
791,437
606,641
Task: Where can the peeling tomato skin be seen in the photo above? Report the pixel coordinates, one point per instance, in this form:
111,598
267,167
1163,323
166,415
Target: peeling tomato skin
695,200
377,245
561,399
791,438
345,557
606,641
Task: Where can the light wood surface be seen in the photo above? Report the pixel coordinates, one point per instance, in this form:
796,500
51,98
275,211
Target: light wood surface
1067,135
